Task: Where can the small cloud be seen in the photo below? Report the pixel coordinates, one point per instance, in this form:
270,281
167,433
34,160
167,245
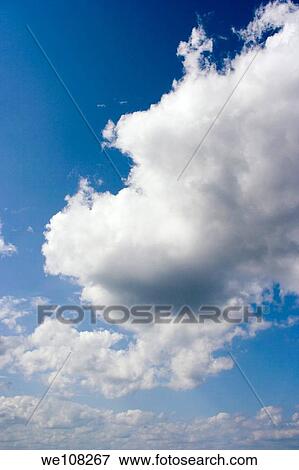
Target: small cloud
38,300
74,173
123,102
12,309
6,249
101,105
29,229
99,181
109,132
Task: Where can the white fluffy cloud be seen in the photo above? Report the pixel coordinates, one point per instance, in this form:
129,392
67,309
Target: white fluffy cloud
12,309
176,356
6,249
232,219
68,425
227,229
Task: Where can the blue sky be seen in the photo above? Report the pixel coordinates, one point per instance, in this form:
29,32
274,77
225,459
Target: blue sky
121,55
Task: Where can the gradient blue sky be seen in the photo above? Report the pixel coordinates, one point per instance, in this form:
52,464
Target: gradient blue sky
108,52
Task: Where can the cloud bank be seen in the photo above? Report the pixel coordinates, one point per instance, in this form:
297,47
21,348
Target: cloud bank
62,424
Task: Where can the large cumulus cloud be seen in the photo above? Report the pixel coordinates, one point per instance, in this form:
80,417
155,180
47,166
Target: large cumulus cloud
232,219
225,230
